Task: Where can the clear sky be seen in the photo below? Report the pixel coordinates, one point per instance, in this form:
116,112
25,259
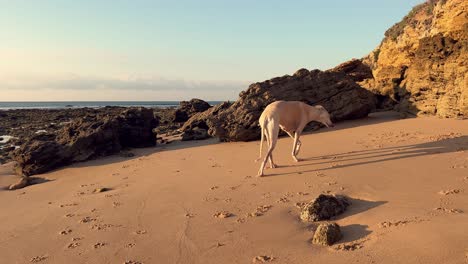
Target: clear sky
178,49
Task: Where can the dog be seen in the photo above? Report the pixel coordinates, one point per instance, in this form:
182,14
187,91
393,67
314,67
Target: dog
291,117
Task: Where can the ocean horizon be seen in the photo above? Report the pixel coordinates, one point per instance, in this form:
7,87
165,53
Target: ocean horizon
89,104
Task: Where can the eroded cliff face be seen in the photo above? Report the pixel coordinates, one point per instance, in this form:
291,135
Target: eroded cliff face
421,63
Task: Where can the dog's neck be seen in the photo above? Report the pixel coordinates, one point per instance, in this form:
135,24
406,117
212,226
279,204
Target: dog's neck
313,113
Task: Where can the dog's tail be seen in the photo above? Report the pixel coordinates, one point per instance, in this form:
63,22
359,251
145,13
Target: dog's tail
262,132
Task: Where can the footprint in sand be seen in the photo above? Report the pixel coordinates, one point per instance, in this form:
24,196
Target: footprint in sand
448,192
261,210
140,232
189,215
69,204
65,232
223,214
320,174
70,215
73,245
116,204
99,245
300,204
101,227
132,262
448,210
87,219
262,259
351,246
129,245
214,188
240,220
38,259
387,224
283,199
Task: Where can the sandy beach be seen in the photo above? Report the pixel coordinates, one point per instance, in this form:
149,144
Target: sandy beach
407,180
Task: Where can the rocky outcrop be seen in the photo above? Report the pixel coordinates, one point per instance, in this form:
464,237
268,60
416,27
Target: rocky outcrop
204,121
187,109
336,90
324,207
422,63
86,138
327,234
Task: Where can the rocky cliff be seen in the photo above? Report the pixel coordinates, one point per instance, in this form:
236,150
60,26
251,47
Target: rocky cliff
421,64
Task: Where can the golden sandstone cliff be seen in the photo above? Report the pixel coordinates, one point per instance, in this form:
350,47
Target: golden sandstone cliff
421,64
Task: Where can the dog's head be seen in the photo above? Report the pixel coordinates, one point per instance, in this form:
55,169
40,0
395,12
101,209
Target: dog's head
324,116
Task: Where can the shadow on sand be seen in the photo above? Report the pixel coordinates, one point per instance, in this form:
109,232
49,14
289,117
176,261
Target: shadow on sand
354,232
363,157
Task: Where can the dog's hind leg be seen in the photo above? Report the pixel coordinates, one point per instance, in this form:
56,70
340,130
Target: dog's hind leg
272,136
262,138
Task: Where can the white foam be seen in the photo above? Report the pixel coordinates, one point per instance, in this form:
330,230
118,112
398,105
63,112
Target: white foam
41,131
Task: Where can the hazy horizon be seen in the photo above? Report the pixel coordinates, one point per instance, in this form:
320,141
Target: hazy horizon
158,51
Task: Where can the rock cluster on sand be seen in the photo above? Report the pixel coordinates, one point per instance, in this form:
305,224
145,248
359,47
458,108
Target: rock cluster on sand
336,90
327,234
324,207
86,138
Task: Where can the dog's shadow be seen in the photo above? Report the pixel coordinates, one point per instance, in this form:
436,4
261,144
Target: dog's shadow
355,158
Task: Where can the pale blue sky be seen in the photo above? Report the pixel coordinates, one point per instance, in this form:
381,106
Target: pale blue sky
172,50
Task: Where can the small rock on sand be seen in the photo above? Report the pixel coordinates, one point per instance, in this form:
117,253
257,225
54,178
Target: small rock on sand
100,190
324,207
262,259
327,234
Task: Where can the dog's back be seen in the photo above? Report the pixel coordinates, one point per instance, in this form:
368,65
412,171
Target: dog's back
288,114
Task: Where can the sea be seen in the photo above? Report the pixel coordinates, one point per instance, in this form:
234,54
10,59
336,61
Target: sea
90,104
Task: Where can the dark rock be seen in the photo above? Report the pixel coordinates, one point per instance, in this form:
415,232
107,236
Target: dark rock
40,156
327,234
324,207
180,116
336,90
187,109
195,134
205,120
87,138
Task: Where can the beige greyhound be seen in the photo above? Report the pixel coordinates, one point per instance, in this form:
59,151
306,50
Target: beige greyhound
292,117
